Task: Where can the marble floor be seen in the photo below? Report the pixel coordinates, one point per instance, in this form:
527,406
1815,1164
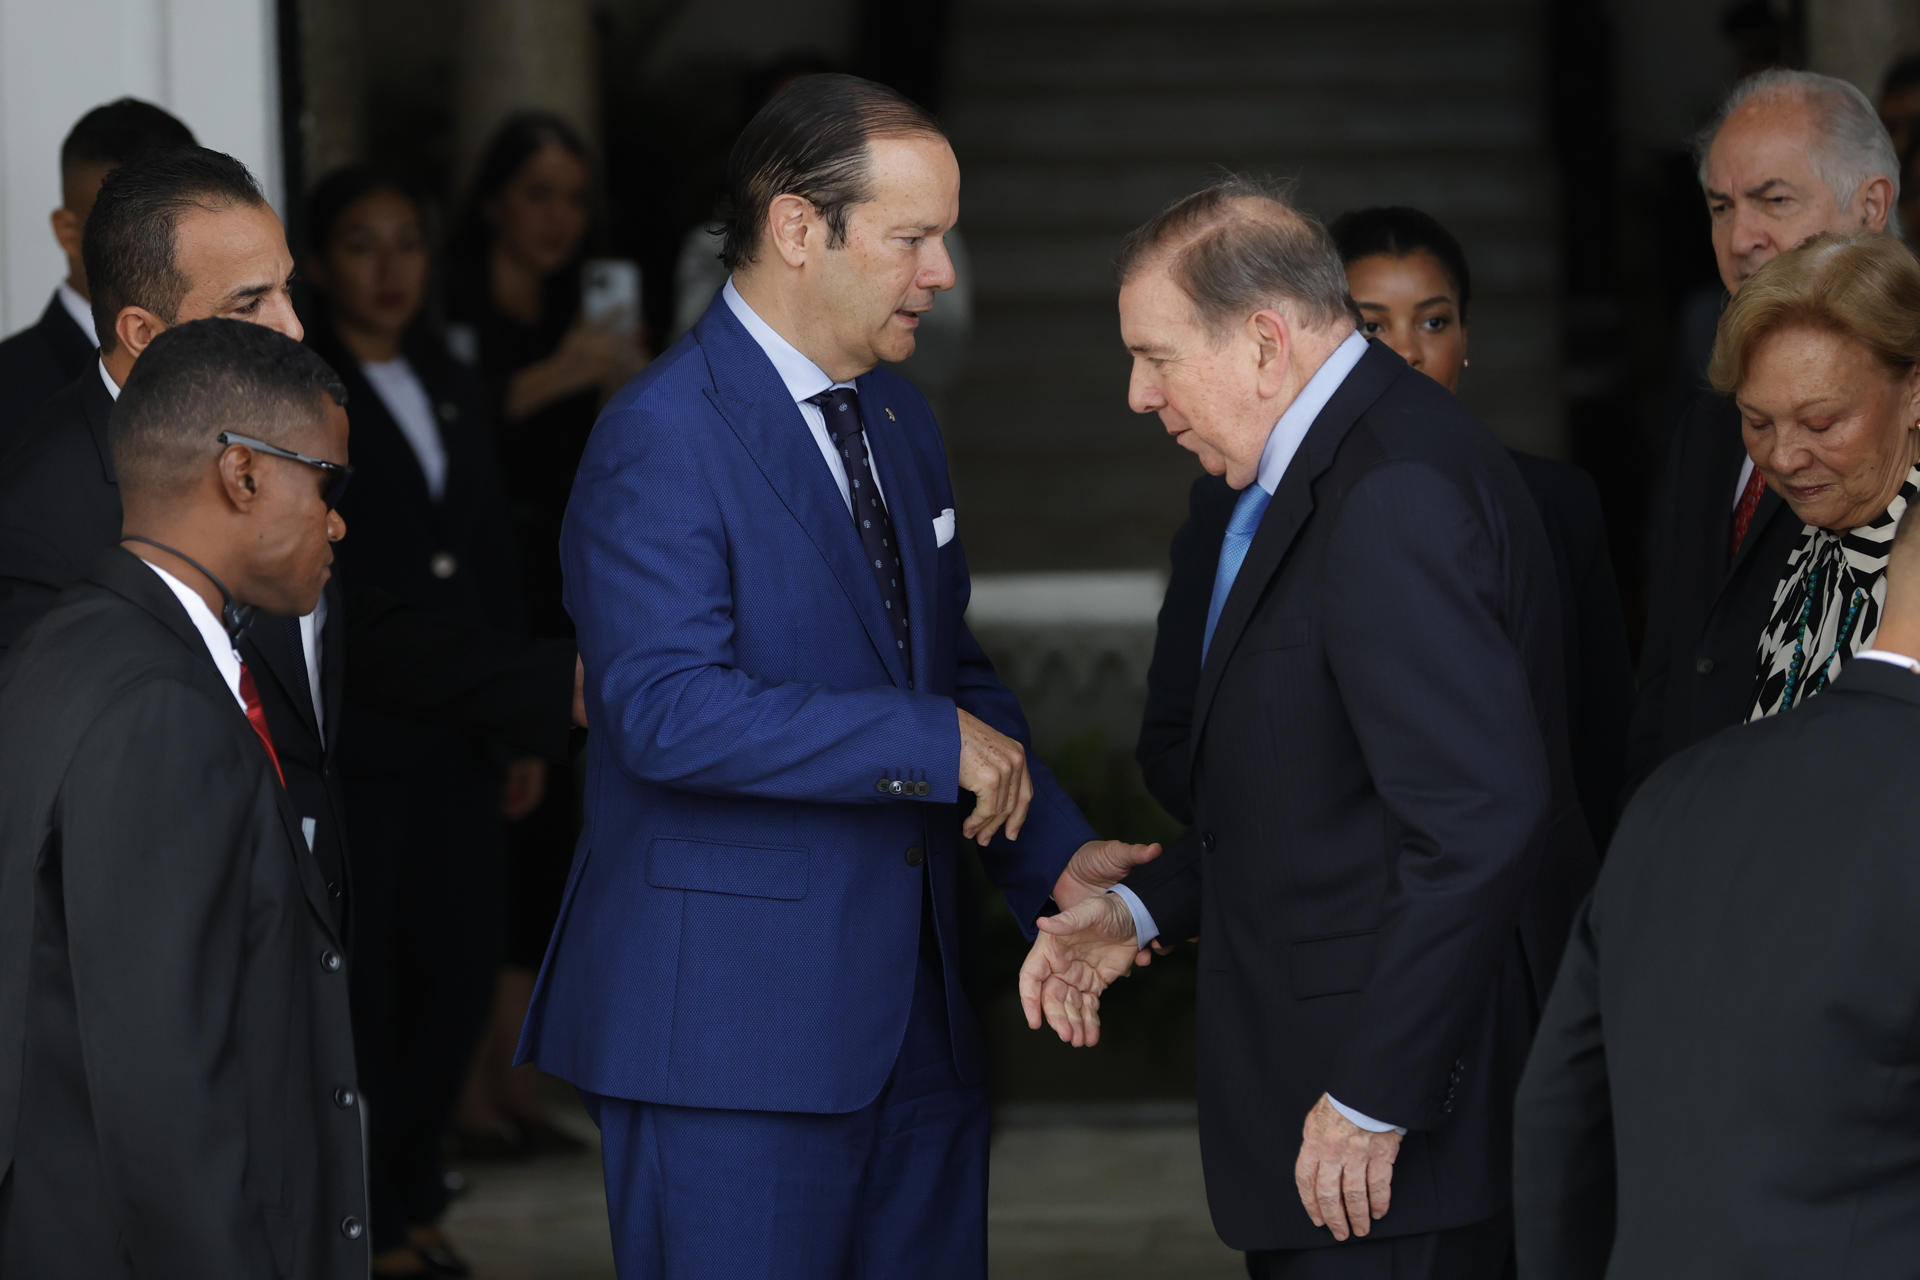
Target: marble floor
1105,1193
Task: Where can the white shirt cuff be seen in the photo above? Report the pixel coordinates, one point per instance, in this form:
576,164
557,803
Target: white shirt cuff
1144,929
1366,1122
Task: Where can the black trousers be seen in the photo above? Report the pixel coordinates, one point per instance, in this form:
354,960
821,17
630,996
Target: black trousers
1480,1251
429,871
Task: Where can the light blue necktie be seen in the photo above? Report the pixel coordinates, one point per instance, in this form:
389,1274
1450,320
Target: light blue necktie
1233,553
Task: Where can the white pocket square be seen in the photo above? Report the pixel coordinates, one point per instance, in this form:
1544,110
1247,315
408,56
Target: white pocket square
943,528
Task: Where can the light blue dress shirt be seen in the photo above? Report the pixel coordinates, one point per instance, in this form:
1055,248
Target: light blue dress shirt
802,378
1283,442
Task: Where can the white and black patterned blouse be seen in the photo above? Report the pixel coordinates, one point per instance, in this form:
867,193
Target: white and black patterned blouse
1826,608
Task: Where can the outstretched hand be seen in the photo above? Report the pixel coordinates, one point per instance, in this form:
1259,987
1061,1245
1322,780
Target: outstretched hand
1076,956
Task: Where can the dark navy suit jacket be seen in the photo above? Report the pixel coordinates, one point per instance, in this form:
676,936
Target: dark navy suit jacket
767,796
1388,846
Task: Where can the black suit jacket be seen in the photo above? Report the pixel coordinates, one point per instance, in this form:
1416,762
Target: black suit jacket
1598,669
1727,1078
1704,613
1388,844
37,362
177,1091
60,507
456,557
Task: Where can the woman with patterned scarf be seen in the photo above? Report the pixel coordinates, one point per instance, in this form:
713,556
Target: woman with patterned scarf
1821,351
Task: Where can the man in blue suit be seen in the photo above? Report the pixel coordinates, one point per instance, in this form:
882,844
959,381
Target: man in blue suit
753,977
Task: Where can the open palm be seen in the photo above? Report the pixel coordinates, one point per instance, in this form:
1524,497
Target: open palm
1077,955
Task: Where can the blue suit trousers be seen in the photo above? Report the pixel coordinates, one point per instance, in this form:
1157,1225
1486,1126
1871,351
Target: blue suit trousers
896,1188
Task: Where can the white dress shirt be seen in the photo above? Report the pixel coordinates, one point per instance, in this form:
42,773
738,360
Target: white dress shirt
1887,655
310,624
803,378
219,644
406,398
80,309
1283,442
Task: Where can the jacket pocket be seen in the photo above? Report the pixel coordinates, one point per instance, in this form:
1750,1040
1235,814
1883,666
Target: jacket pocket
750,870
1331,966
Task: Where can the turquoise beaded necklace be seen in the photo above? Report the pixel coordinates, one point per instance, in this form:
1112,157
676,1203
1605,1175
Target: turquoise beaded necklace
1858,598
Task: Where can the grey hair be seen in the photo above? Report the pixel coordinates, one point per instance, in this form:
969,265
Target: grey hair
1240,246
1853,145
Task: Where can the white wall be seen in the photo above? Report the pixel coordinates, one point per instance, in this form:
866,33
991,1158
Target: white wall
213,63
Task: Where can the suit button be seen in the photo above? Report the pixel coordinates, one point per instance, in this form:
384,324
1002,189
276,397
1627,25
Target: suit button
330,961
1704,667
343,1099
1206,842
915,855
880,785
443,565
897,787
333,890
352,1228
923,788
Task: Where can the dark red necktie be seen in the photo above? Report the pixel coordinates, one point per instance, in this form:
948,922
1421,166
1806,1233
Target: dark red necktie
257,717
1743,513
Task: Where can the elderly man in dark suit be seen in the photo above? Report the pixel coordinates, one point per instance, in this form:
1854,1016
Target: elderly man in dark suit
1726,1081
1388,845
52,352
177,1089
1792,154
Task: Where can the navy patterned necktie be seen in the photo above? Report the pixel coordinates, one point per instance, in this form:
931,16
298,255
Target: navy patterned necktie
842,409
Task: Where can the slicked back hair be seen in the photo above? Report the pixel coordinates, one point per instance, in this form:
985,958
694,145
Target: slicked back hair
1240,246
810,140
1850,144
115,132
129,243
207,376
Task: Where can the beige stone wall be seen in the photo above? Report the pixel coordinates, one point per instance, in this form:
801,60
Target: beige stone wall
519,53
1859,39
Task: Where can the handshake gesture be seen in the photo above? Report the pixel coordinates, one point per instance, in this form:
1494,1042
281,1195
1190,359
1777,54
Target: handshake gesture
1080,952
1091,942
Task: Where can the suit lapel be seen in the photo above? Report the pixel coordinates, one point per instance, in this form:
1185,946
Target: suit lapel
912,521
1292,503
97,401
755,404
127,576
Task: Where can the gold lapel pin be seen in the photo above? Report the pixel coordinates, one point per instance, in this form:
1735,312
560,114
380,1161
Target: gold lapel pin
890,417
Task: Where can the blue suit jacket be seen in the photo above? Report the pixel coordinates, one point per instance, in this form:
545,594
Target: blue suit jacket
763,785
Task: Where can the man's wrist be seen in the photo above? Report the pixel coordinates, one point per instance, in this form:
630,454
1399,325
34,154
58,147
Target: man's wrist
1363,1120
1144,929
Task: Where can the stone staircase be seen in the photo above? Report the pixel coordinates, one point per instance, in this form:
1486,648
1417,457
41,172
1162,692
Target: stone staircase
1075,120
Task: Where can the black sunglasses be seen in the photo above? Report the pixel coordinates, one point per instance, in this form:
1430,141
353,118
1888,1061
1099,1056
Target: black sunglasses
337,473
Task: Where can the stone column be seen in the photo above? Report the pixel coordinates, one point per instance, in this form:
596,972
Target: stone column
333,116
1858,40
522,53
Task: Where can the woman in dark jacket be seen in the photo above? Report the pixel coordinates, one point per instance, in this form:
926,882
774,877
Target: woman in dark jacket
514,312
429,526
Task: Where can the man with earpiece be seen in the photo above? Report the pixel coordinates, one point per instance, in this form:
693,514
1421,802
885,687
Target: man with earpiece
177,1086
